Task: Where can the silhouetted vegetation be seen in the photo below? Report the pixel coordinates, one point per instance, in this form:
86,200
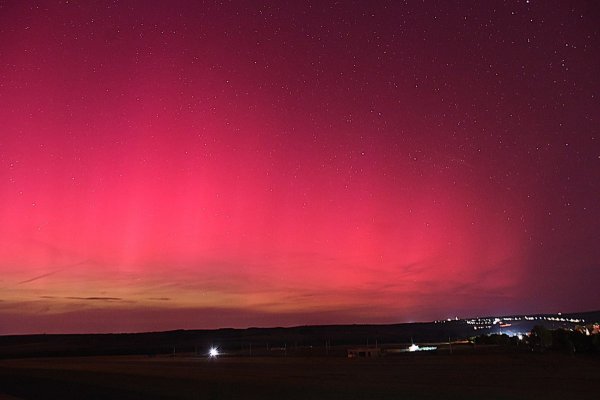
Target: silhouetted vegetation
566,341
542,339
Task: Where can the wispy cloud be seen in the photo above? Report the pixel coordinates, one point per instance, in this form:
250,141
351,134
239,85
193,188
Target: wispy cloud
35,278
42,276
94,298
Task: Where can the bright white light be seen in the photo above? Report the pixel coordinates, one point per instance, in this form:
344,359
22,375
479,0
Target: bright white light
414,347
213,352
520,336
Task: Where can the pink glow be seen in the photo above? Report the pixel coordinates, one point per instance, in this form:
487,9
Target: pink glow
161,174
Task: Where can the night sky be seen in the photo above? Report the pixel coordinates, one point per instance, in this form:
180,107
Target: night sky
189,164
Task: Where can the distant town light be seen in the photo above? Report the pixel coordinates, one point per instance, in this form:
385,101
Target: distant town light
213,352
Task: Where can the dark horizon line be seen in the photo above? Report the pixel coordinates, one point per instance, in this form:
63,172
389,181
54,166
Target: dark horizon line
300,326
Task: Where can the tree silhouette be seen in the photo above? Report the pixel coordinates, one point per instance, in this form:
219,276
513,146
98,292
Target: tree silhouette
540,338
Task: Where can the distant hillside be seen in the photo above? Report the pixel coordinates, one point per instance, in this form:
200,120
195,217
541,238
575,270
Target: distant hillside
305,339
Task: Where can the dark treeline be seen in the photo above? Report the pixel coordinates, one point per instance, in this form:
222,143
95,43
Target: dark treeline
569,341
541,339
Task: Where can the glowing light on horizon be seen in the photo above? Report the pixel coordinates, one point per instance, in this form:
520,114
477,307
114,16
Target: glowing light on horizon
413,347
213,352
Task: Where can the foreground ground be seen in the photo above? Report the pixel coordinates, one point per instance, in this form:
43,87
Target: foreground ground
418,376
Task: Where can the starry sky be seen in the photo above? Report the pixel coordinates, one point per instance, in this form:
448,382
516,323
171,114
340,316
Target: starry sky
197,164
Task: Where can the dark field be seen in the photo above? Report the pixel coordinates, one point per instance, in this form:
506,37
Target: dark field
408,376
